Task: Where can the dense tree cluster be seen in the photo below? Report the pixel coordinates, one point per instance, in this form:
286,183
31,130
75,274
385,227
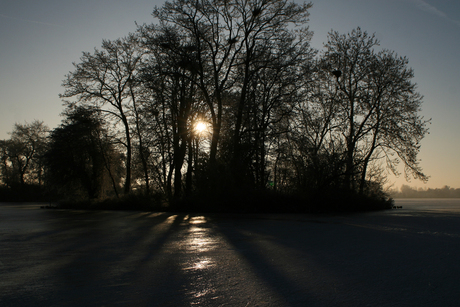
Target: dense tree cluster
279,118
22,168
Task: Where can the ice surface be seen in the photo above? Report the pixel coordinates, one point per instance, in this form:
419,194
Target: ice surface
402,257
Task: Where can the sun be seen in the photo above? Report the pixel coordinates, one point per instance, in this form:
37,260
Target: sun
200,127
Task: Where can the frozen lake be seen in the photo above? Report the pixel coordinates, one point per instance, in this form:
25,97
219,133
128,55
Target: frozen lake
401,257
451,205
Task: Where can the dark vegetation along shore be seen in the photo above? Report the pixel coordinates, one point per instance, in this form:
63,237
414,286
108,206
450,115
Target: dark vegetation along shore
224,107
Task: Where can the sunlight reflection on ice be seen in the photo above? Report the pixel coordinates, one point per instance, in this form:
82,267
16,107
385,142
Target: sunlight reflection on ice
199,238
172,218
197,220
198,241
201,264
201,293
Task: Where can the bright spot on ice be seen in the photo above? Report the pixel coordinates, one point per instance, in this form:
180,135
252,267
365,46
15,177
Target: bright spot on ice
197,220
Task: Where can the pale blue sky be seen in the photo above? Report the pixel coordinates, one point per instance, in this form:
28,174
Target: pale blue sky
39,40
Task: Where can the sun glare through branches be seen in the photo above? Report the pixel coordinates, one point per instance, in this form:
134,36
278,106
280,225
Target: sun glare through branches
200,128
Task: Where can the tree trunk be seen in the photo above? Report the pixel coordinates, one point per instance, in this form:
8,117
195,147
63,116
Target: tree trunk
127,188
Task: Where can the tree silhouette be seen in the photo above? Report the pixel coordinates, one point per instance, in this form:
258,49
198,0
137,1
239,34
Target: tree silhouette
378,105
284,119
107,80
81,162
227,47
22,154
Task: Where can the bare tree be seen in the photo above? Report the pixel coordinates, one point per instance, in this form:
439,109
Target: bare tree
378,105
231,43
22,154
227,37
170,78
107,80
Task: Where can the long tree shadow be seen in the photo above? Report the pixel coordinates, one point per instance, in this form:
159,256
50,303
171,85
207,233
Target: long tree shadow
153,273
344,264
122,268
93,259
262,250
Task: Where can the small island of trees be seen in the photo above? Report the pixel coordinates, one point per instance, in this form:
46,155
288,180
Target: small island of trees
283,127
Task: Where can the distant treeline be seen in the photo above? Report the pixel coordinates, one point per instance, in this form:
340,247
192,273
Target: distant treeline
409,192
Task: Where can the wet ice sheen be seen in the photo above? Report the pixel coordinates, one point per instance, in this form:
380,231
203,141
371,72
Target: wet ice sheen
197,242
